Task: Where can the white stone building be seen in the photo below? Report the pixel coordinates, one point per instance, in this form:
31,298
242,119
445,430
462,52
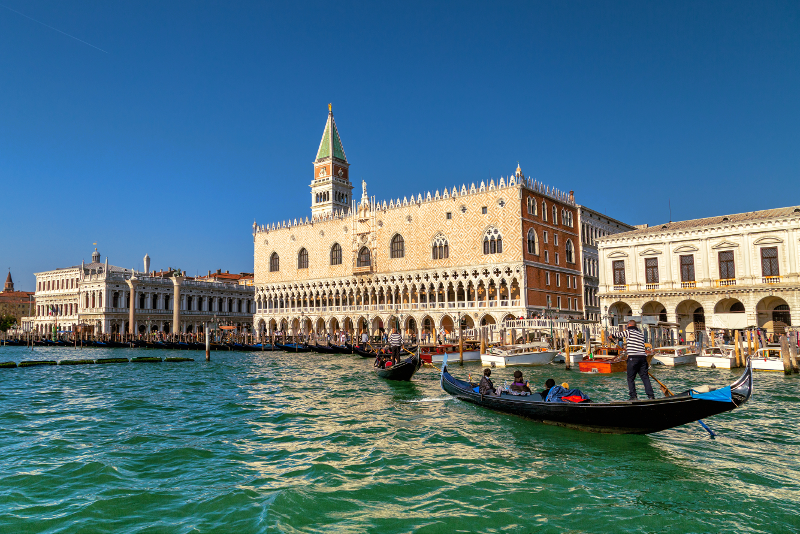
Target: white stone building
97,295
694,272
594,225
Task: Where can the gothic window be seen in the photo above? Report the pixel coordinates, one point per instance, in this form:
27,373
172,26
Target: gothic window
570,251
769,261
533,242
336,254
363,259
651,270
687,268
544,211
302,259
440,249
492,241
398,247
531,206
619,272
274,263
555,217
727,268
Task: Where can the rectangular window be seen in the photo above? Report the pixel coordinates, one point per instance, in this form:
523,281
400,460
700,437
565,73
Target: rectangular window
449,215
556,258
619,272
555,239
547,278
546,256
558,280
687,268
558,302
483,210
545,236
651,270
769,261
727,268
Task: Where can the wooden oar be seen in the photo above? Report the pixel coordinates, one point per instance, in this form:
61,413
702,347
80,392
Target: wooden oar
667,393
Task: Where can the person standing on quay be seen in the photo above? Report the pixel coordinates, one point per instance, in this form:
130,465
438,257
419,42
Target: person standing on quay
637,359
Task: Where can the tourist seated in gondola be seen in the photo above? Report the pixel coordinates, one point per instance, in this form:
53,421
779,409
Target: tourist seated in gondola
519,386
486,387
548,384
563,393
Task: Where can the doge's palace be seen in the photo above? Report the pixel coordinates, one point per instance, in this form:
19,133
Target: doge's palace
479,252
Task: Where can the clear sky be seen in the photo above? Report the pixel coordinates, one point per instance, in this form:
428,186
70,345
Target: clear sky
168,127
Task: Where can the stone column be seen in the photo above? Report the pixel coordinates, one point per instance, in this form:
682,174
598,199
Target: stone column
132,309
176,306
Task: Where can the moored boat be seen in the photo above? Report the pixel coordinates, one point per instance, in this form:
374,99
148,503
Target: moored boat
677,355
716,358
528,354
619,417
576,354
767,359
604,360
435,353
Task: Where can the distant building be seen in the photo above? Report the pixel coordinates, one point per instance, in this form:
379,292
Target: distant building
16,303
698,272
99,295
594,225
242,279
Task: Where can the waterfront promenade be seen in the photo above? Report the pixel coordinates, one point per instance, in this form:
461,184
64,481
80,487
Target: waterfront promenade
275,442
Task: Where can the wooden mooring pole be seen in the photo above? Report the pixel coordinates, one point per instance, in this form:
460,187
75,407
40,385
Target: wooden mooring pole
793,351
566,350
787,362
208,345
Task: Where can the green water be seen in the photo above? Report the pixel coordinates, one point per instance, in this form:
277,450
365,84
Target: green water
274,442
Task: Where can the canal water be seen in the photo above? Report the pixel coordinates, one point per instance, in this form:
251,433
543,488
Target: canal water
276,442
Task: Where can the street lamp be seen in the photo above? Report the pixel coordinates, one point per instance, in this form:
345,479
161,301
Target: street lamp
548,313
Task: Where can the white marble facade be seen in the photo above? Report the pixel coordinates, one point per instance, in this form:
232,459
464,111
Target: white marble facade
687,272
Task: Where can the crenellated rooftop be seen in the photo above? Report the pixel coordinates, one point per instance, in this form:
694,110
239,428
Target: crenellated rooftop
507,182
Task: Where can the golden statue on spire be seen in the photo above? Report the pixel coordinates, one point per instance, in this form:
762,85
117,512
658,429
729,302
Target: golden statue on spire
330,108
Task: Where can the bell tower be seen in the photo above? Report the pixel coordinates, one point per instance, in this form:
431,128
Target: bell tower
331,188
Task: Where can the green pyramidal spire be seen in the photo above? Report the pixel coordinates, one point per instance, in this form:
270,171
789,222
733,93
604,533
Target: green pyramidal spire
331,144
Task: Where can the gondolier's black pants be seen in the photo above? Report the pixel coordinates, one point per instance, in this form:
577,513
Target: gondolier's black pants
395,354
637,365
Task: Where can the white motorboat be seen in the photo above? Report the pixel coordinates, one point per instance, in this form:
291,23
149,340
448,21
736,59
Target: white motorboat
469,356
511,355
576,354
716,358
768,359
677,355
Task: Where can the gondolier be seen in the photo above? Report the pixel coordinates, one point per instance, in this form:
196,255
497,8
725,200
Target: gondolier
637,359
395,342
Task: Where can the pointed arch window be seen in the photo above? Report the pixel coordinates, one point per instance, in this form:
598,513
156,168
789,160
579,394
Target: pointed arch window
363,259
274,263
302,259
533,242
555,215
336,254
570,251
398,249
441,248
532,204
492,241
544,211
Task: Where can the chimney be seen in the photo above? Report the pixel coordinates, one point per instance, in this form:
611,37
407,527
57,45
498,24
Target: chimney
209,272
219,271
227,272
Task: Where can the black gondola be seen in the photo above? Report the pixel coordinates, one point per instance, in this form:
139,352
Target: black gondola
620,417
402,371
364,353
324,349
293,347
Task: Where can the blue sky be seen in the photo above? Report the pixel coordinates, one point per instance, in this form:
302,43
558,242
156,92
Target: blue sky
168,127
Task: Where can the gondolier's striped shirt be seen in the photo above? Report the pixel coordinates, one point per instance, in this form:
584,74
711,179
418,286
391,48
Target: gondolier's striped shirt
395,339
634,339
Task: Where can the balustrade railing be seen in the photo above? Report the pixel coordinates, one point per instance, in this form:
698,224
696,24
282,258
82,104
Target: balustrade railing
688,285
771,280
621,287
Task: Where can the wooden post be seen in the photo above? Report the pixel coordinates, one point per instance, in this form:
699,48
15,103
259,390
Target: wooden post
208,345
482,336
738,345
566,350
787,362
460,345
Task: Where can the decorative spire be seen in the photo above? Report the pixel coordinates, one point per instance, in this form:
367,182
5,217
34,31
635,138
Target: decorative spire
9,282
331,144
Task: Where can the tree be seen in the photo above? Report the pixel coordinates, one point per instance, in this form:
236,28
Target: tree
6,322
